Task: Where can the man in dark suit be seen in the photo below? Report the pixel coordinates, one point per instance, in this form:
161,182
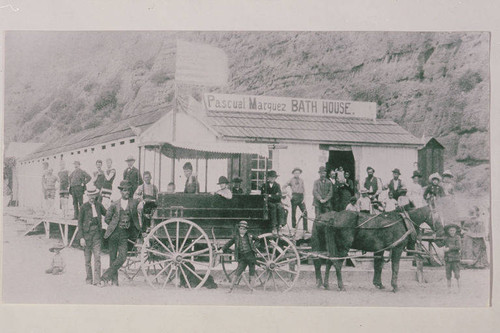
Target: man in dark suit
123,223
395,185
272,191
77,182
132,174
89,231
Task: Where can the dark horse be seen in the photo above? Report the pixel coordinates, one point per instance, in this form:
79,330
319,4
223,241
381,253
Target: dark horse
338,232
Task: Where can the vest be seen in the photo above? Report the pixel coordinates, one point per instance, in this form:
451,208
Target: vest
371,185
124,222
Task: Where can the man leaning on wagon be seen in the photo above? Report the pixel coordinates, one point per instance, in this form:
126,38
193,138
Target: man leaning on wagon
77,182
123,223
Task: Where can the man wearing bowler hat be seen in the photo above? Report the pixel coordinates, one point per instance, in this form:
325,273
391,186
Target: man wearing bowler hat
297,185
123,223
89,233
237,186
132,174
272,190
77,182
395,185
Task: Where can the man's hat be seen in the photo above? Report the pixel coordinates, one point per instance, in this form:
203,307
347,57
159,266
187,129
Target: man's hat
223,180
130,158
449,226
370,168
188,166
124,185
76,162
447,173
237,180
321,169
396,171
243,224
435,175
416,173
297,169
272,173
363,190
353,200
92,190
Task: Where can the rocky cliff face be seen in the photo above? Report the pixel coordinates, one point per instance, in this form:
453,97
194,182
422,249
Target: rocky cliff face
432,84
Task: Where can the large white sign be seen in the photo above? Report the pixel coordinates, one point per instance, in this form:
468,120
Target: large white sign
289,105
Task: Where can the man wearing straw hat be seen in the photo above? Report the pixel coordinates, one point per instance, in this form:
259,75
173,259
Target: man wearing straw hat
89,228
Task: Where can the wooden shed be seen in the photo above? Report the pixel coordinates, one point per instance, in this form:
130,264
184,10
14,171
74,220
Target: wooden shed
430,159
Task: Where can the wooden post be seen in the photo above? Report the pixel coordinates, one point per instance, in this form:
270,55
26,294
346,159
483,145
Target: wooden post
140,161
172,176
206,173
159,170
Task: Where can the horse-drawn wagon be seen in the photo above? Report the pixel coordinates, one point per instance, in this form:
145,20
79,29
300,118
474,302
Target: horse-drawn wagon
183,232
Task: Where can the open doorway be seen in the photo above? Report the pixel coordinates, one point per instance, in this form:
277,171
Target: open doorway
341,158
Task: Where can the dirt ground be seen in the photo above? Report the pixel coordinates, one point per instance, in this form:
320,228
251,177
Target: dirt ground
25,259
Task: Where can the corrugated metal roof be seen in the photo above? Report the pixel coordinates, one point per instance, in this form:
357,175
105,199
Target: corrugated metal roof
326,129
98,135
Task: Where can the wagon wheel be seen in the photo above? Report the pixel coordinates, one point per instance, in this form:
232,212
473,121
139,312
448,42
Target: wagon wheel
278,263
176,252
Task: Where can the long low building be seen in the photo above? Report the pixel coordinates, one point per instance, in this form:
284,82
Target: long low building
290,132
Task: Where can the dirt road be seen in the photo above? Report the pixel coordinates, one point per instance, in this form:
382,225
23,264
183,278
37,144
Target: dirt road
25,259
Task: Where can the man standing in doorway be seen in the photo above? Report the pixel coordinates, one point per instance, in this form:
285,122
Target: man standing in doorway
131,174
77,181
123,223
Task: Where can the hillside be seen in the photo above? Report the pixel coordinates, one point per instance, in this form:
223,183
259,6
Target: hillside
432,84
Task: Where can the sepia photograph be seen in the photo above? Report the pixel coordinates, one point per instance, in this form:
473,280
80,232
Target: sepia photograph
274,168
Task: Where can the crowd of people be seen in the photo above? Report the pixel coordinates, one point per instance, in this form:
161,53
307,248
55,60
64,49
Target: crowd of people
334,190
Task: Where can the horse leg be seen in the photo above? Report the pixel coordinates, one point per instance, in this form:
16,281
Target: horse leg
317,271
378,262
328,266
395,258
338,270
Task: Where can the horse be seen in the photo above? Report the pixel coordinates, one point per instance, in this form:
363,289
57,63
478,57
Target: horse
338,232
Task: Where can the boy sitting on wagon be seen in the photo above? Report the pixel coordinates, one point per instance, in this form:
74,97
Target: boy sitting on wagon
244,253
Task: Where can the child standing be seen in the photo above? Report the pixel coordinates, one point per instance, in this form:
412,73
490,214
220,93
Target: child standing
364,203
390,203
452,253
352,205
244,253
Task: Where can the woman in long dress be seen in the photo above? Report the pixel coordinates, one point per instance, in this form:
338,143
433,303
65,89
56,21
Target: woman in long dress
474,253
416,191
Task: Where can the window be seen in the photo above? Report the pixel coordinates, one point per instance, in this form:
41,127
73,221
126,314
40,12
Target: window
113,144
132,140
85,150
258,170
103,147
122,142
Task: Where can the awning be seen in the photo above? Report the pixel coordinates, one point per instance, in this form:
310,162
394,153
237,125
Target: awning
209,150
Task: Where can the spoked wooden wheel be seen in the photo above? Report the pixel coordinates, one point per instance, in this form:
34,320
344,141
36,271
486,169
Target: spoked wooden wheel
278,263
176,252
